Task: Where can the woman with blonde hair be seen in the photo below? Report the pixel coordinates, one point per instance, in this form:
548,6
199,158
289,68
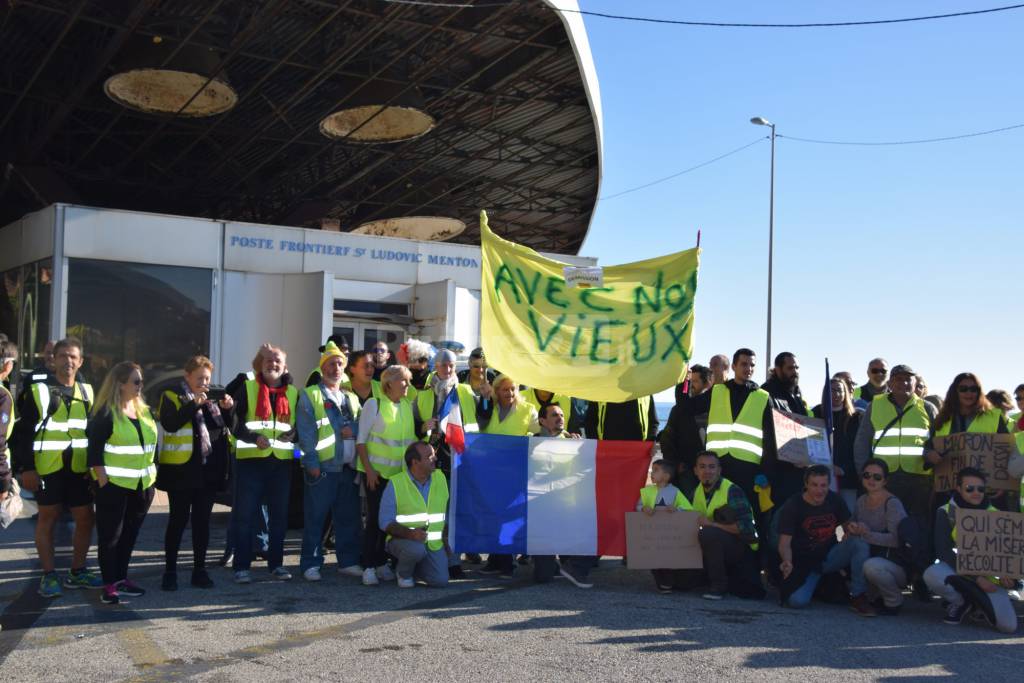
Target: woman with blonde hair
122,439
193,465
386,428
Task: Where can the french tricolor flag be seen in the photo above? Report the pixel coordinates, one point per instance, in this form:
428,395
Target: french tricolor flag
545,496
449,422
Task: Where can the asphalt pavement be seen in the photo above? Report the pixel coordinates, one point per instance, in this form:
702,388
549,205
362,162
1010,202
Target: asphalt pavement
479,629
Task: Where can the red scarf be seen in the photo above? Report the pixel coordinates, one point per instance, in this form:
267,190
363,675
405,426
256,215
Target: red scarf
281,407
1020,423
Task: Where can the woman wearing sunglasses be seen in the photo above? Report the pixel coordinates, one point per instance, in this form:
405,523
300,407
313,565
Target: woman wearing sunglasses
877,516
965,409
122,444
965,594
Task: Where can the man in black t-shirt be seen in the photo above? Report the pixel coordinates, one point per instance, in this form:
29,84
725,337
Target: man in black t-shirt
808,545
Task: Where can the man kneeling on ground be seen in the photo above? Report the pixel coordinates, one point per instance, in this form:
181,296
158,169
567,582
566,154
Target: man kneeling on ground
412,514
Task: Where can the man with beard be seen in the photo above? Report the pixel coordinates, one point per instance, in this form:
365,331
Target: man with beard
784,388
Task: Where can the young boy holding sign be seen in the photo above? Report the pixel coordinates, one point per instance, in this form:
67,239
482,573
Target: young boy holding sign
662,494
965,593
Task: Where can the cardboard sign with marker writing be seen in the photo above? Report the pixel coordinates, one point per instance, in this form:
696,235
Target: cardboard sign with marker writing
990,453
664,540
801,440
990,543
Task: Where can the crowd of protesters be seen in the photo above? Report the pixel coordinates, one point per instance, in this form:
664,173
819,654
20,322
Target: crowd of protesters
364,432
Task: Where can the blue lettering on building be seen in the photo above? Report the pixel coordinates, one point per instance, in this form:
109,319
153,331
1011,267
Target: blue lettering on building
245,242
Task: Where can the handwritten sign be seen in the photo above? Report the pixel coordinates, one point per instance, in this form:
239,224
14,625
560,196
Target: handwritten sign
990,543
664,540
991,453
629,334
801,440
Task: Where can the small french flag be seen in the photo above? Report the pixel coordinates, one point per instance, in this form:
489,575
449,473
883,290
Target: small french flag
449,422
545,496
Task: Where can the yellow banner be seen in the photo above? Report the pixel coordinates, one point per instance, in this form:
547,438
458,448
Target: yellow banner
620,333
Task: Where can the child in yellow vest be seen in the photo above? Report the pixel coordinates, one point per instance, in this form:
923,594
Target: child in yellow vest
662,494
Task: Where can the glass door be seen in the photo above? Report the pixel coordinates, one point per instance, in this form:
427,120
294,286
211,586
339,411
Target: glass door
365,334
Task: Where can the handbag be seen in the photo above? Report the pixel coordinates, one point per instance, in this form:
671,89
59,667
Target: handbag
11,506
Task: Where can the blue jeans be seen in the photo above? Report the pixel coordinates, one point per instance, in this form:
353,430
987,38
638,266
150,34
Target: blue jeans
260,479
414,560
852,553
336,493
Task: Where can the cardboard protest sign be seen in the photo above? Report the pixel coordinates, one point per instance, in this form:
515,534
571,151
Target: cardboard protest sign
628,333
990,543
801,440
990,453
664,540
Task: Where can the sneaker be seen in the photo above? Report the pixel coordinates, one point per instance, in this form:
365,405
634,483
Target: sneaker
955,614
131,589
169,582
243,576
82,578
49,586
282,574
714,595
455,573
226,558
311,574
579,583
109,595
406,583
200,579
352,570
489,569
370,577
862,607
523,559
884,610
384,573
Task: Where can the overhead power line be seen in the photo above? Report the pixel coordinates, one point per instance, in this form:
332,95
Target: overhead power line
903,142
719,24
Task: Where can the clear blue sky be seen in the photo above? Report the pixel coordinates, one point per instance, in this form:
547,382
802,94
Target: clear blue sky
913,253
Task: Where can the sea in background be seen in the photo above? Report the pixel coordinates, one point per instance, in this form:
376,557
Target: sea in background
663,410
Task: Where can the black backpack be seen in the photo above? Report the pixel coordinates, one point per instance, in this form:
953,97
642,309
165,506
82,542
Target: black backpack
914,553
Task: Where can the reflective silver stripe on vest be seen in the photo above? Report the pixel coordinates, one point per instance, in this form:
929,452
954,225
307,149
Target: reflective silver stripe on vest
909,431
471,428
79,443
412,519
76,423
730,444
437,517
129,472
278,427
749,431
239,444
39,377
325,442
434,536
53,426
127,450
323,422
53,445
283,445
899,450
387,462
393,443
172,447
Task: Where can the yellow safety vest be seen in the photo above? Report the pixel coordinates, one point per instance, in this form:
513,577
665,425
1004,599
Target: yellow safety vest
649,496
743,438
175,447
516,423
564,402
415,513
985,423
270,428
375,389
66,427
643,405
719,499
127,460
325,438
901,446
467,404
386,449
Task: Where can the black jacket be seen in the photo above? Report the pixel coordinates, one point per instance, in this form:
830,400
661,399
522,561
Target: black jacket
193,474
844,433
621,421
784,398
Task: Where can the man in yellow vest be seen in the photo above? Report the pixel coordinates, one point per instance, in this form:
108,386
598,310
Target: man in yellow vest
895,428
50,451
552,423
428,402
635,420
728,538
740,428
876,384
1017,418
413,514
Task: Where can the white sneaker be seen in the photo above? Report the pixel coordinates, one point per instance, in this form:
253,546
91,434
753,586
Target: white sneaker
406,583
243,576
351,570
370,577
384,573
311,574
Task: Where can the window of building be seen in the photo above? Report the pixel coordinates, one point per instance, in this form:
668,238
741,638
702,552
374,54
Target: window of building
157,316
25,309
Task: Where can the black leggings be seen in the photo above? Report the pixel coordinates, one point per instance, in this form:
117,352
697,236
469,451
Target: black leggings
197,504
119,516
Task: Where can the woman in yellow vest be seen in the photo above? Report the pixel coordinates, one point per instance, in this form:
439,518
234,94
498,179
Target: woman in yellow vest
122,438
386,428
510,415
192,465
966,409
360,372
264,452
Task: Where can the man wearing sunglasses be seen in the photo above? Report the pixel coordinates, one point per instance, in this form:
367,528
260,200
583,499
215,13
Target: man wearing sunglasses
381,359
895,428
962,598
875,385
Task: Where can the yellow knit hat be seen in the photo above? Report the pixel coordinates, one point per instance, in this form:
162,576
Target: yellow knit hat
330,351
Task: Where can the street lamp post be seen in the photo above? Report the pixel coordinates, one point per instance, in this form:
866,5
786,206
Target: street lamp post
761,121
